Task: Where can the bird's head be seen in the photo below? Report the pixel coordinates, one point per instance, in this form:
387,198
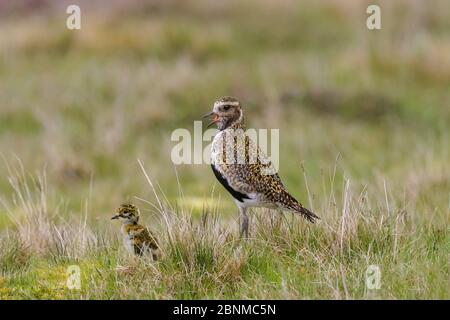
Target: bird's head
127,212
227,112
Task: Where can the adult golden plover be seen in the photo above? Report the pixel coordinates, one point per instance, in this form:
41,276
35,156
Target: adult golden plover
137,239
243,169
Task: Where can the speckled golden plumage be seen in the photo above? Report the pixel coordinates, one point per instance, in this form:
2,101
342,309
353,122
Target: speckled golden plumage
137,238
243,169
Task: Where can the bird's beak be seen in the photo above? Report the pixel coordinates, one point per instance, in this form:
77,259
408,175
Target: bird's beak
215,118
115,217
209,114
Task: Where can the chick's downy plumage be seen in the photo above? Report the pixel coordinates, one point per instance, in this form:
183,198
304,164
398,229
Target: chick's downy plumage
137,239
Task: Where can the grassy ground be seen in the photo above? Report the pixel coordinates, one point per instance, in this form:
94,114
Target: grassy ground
363,118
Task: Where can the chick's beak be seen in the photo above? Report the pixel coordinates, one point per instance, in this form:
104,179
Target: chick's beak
214,117
115,217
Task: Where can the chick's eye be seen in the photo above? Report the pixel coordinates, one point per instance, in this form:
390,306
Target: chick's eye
226,108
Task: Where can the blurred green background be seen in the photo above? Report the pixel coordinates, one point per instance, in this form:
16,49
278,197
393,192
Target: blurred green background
83,105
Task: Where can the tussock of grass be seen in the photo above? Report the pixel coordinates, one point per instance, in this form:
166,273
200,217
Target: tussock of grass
285,257
41,230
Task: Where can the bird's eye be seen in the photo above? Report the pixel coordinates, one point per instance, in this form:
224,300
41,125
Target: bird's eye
226,108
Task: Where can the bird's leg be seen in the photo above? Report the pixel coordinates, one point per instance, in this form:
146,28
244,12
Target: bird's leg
244,222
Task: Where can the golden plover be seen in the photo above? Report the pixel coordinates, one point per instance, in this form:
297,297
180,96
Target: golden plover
243,169
137,239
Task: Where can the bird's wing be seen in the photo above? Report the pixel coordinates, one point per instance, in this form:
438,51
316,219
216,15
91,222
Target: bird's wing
257,177
251,171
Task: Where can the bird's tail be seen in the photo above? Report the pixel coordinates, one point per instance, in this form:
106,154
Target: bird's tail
307,214
295,206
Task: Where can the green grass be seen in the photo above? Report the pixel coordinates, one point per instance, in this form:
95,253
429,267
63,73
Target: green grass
285,257
367,108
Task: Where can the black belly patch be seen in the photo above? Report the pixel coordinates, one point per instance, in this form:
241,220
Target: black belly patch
236,194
